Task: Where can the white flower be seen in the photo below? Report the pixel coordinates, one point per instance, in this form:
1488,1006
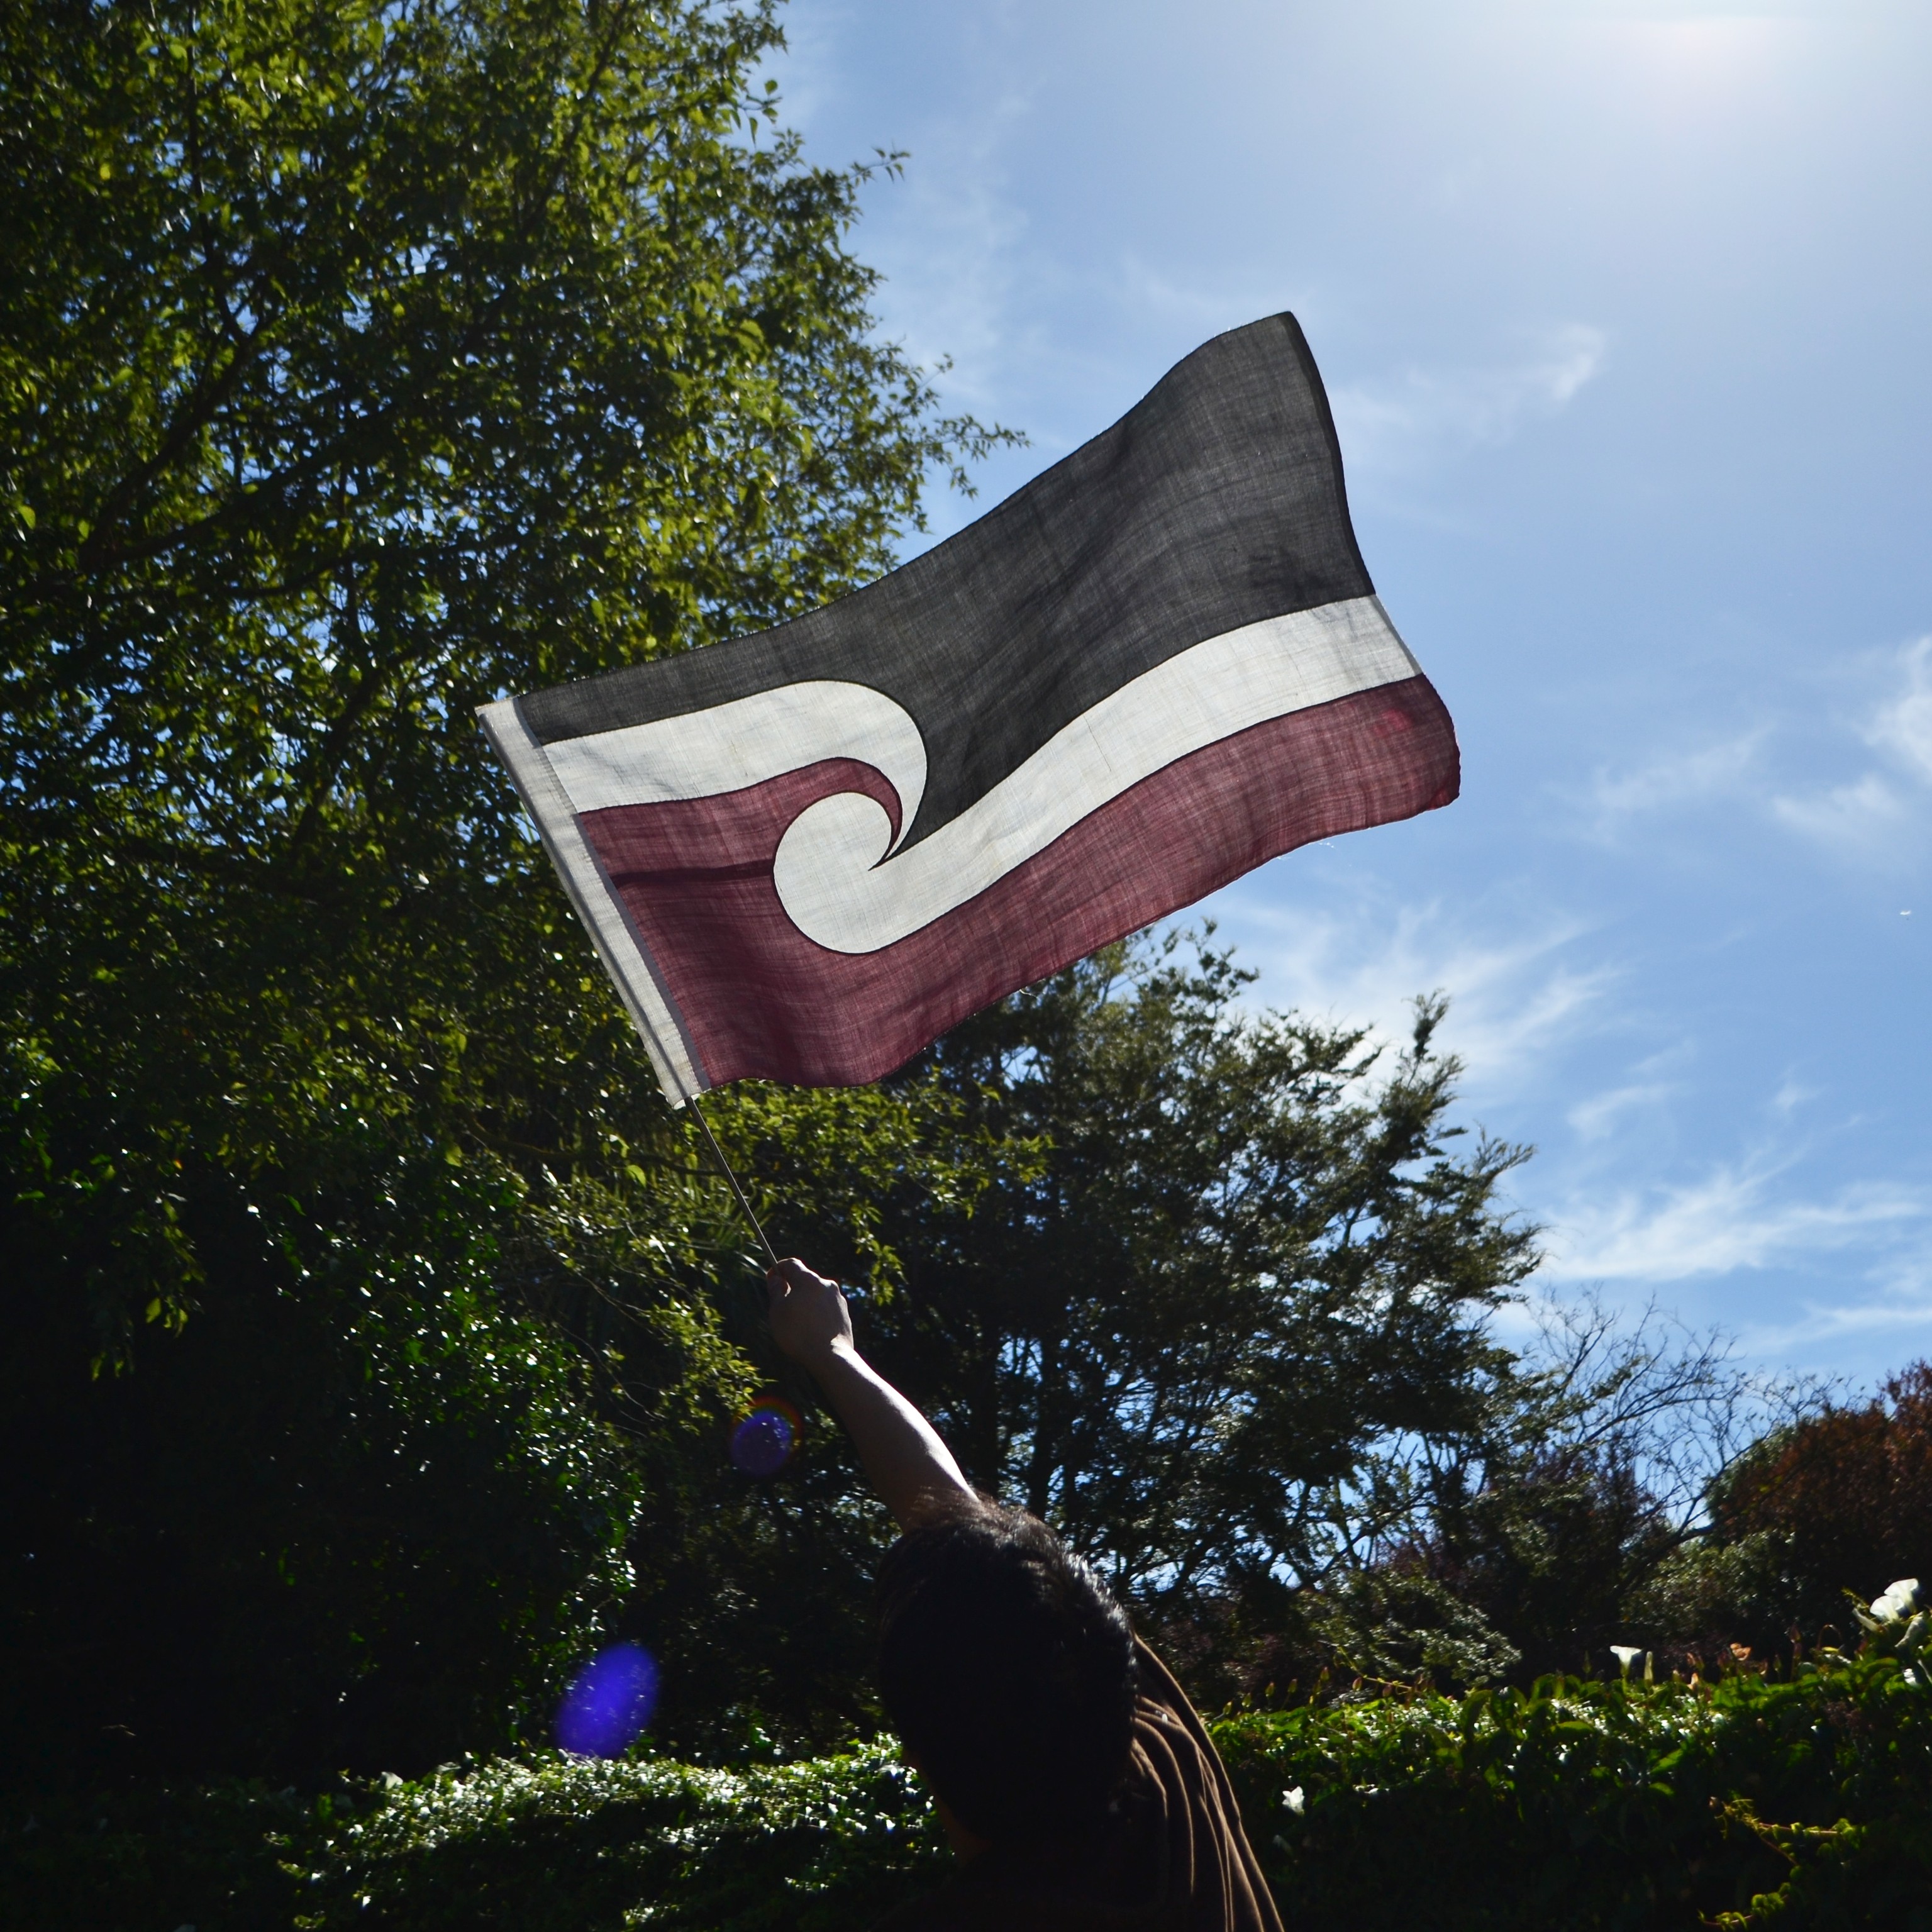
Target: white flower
1294,1800
1626,1654
1900,1601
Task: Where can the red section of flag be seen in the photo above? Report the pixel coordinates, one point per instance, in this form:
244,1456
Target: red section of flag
759,999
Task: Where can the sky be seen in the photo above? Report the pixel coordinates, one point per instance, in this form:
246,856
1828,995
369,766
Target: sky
1623,308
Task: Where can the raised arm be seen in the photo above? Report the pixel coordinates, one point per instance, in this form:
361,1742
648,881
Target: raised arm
912,1469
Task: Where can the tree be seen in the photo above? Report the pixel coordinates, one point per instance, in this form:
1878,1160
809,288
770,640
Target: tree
1836,1500
298,1538
359,362
1558,1529
363,362
1248,1276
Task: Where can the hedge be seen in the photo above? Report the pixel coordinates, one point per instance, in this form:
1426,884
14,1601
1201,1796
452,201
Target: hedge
1786,1804
1800,1804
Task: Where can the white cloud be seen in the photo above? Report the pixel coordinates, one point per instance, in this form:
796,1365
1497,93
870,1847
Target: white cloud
1401,424
951,253
1723,770
1596,1118
1864,816
1735,1217
1205,306
949,233
1792,1096
1687,12
1903,724
1514,1001
1860,817
1901,1299
1828,1321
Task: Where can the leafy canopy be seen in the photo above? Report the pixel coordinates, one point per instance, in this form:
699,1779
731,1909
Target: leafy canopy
1218,1330
359,362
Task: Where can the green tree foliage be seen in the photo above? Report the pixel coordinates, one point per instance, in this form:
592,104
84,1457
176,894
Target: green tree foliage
358,362
362,362
1845,1493
1587,1804
755,1595
1208,1289
301,1539
373,1329
1224,1332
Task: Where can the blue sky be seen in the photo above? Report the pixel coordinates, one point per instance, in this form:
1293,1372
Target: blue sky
1624,309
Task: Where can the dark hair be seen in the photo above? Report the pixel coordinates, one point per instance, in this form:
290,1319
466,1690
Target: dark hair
1008,1671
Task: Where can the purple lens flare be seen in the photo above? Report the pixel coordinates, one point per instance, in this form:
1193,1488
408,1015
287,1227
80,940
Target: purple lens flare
609,1702
761,1444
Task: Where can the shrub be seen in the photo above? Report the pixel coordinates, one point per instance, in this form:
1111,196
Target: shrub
548,1844
1573,1807
310,1531
1586,1805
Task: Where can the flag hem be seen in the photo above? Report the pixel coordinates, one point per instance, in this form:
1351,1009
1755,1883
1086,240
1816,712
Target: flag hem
673,1055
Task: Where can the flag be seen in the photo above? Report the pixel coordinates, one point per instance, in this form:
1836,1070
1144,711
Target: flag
804,854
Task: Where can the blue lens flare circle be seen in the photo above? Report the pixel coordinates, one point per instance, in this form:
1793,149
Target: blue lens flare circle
609,1702
761,1444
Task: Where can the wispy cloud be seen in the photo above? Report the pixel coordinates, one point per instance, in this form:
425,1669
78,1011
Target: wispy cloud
1597,1117
1903,724
1859,818
1515,999
1735,1217
1727,768
1898,1299
1863,818
1791,1096
1824,1322
952,253
1423,414
1205,306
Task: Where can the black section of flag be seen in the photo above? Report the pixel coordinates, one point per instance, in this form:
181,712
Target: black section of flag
1216,502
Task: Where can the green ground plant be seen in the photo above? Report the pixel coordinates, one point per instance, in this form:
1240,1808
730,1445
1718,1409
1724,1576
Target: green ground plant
1793,1805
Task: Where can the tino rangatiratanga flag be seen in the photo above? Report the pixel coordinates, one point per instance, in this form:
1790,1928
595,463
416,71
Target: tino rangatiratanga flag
804,854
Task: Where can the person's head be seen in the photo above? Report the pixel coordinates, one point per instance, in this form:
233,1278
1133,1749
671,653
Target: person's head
1008,1671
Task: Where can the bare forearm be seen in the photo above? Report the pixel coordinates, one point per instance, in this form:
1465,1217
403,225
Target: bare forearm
908,1464
913,1471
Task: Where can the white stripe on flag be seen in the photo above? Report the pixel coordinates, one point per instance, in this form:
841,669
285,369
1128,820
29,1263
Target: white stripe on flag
837,875
700,754
843,887
624,957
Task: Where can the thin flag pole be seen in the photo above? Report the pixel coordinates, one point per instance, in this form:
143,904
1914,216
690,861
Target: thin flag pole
724,1168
